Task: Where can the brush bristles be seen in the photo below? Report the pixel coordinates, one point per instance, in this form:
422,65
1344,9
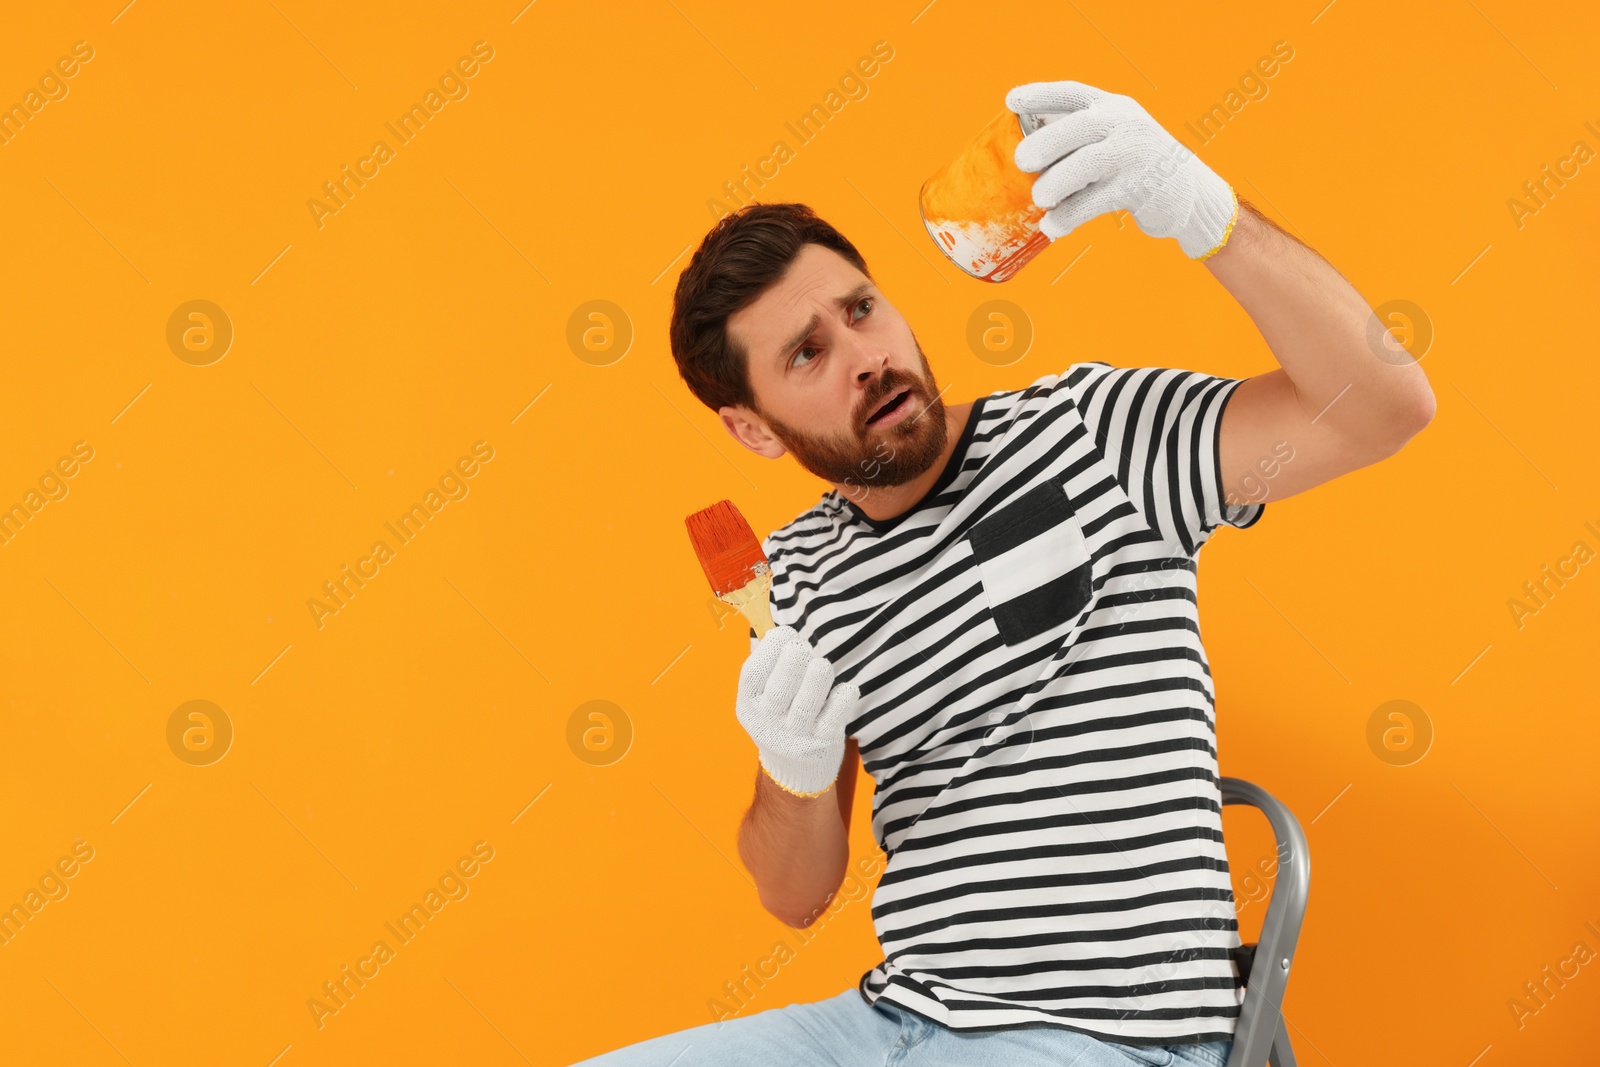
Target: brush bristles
728,549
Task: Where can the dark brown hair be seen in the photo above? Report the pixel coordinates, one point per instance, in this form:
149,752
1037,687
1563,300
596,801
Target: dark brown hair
743,254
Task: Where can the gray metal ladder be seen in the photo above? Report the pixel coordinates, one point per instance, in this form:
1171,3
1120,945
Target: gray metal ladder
1262,1034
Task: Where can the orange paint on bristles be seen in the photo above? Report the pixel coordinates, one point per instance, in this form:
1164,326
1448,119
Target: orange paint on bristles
727,547
730,554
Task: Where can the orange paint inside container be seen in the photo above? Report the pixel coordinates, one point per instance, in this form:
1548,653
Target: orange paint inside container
979,207
984,178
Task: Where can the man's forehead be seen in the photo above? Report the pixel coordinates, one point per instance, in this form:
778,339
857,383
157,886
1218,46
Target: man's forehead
817,276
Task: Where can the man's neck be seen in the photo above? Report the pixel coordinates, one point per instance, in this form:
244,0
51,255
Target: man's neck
881,504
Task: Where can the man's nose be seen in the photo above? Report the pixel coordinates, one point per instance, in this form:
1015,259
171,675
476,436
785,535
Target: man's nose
870,362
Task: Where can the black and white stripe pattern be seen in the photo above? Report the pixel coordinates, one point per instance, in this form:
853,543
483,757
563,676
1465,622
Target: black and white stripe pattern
1037,711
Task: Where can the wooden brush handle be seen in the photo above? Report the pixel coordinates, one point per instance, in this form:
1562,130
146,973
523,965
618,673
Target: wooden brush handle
751,601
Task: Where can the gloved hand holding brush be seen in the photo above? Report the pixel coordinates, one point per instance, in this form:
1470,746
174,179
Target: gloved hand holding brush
1105,153
789,705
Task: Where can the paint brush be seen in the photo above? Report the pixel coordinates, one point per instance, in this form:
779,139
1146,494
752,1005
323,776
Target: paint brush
731,555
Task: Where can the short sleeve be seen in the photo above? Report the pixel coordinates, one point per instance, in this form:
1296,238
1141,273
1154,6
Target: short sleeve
1160,430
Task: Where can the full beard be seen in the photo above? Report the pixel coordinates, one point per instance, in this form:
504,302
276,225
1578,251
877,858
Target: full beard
872,457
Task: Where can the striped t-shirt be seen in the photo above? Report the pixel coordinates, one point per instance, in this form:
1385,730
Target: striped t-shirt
1037,711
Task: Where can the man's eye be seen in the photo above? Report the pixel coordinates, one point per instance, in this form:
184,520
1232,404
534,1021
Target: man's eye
867,301
801,352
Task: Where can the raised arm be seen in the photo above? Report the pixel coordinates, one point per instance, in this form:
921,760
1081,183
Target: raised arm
1346,394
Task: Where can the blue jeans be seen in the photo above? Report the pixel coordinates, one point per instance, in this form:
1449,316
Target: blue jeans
845,1031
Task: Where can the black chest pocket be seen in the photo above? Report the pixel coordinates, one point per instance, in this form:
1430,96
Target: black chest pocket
1033,562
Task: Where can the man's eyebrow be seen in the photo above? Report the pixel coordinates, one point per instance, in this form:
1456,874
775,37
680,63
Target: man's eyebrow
811,324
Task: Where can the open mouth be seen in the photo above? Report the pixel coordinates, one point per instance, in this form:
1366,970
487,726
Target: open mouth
891,405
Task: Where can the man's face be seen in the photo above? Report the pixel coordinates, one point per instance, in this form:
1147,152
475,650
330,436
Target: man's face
825,351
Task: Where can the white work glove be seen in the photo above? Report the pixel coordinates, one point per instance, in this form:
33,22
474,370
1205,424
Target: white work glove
1107,154
786,706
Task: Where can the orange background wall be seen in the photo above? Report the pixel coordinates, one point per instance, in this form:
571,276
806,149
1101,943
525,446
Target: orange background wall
372,351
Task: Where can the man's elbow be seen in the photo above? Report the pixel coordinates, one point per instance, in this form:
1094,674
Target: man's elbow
794,914
1426,405
1411,418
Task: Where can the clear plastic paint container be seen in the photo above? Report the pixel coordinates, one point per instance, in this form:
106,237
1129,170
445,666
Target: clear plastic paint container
979,207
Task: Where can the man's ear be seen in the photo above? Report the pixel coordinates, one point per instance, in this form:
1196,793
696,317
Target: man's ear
750,430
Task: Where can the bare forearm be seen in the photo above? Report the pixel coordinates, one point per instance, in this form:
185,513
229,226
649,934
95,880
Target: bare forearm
1322,331
796,848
